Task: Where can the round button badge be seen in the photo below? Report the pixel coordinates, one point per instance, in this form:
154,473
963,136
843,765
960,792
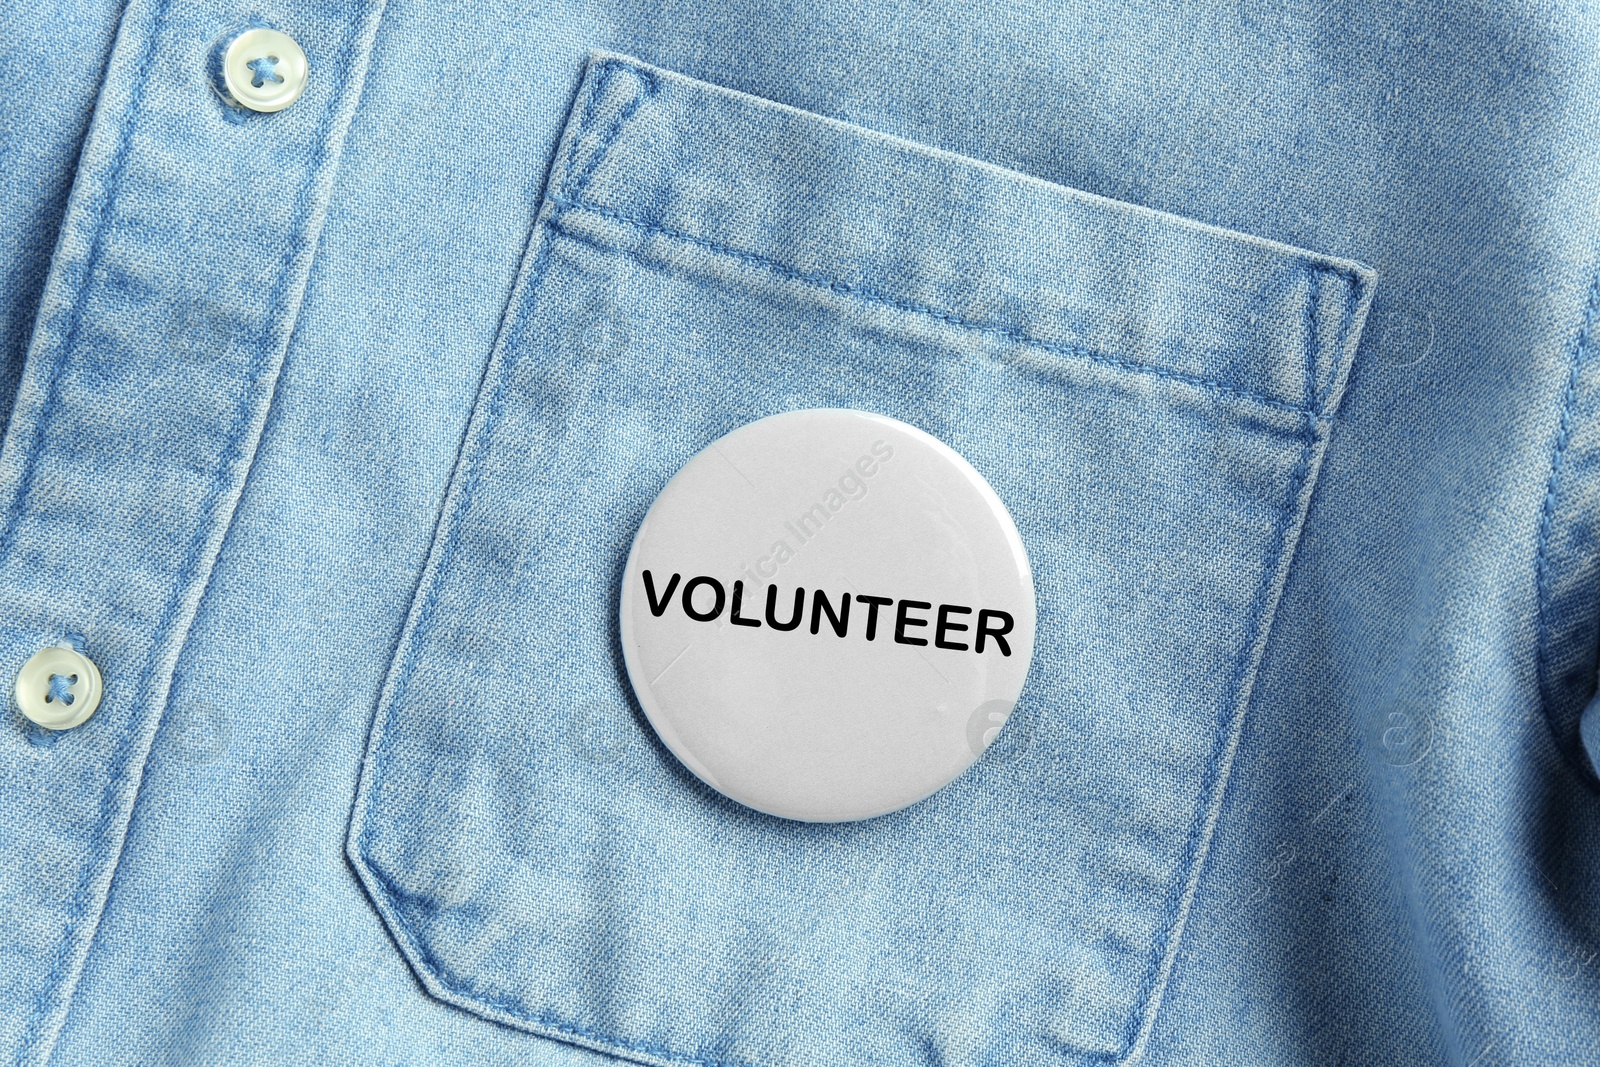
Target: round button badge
827,615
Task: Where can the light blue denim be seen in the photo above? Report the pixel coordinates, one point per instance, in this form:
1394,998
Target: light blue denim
328,431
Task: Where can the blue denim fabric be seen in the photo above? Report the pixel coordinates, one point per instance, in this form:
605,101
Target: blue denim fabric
729,259
331,428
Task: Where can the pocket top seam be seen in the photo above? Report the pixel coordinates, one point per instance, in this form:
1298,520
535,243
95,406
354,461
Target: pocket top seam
565,204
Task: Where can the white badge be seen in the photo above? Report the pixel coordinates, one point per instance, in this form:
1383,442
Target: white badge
827,615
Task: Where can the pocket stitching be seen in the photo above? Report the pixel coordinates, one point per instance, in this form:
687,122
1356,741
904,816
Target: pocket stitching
1219,764
1545,566
574,183
433,972
453,988
1313,349
481,434
1013,334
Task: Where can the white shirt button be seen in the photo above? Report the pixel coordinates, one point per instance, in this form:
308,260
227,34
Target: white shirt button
58,688
264,70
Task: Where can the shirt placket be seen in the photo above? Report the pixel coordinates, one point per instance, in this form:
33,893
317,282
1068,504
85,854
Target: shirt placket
172,294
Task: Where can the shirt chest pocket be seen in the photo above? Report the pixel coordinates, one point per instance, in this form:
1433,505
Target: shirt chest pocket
1150,397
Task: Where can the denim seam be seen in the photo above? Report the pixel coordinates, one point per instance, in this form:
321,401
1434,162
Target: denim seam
514,327
425,960
1352,302
1581,352
1312,348
229,454
42,1000
574,183
385,889
868,295
1223,732
512,1008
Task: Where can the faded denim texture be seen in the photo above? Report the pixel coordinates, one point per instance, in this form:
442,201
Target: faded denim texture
1271,325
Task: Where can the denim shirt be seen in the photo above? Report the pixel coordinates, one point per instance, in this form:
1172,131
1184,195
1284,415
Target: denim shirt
327,430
